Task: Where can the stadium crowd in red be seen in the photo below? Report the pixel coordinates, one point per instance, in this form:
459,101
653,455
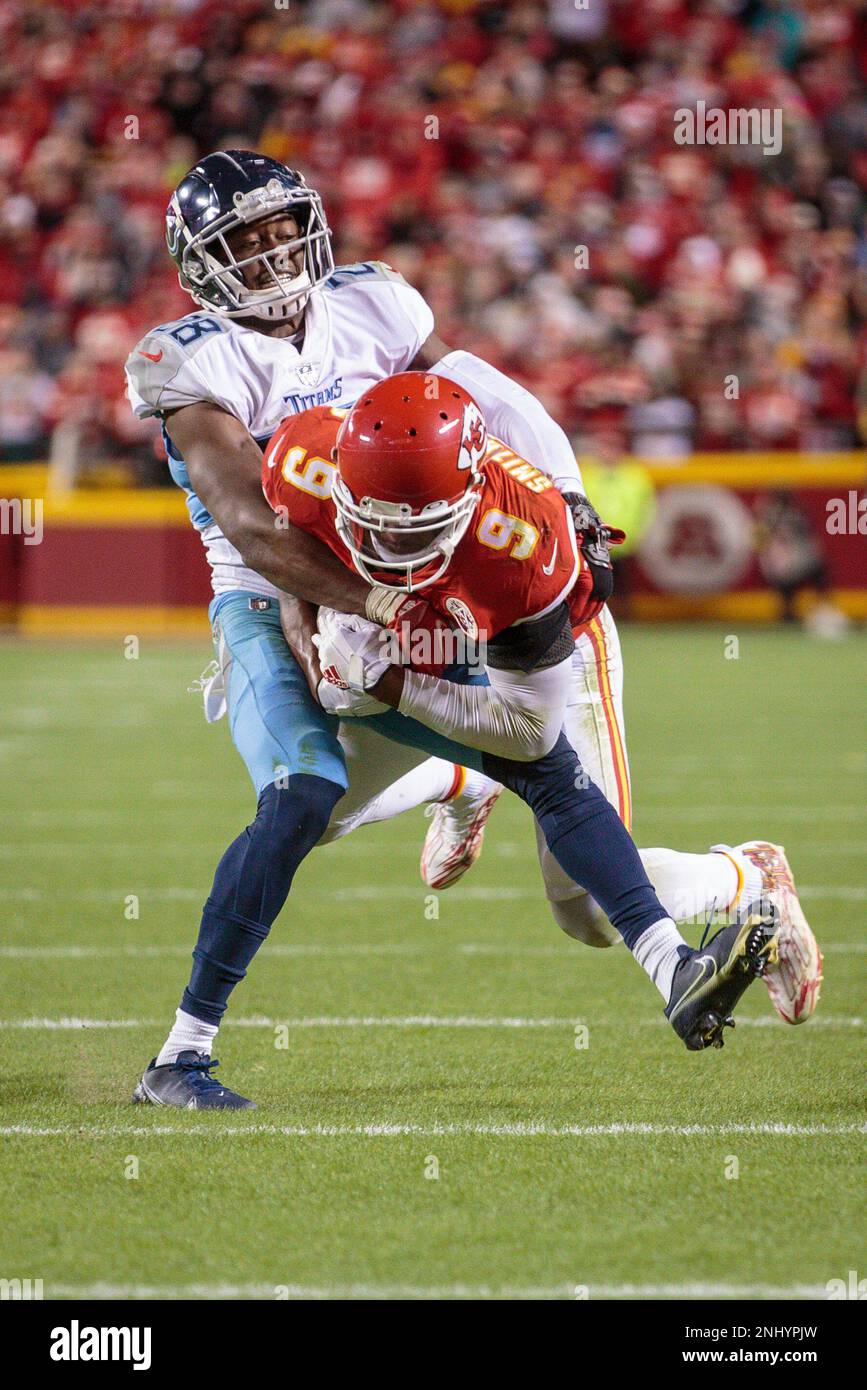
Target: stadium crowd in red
721,298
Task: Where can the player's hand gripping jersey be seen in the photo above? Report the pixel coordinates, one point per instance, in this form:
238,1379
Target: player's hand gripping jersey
517,565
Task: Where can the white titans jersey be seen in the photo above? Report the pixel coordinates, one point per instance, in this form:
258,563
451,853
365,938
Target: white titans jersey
363,324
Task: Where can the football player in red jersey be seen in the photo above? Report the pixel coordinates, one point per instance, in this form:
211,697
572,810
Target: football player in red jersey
408,489
518,560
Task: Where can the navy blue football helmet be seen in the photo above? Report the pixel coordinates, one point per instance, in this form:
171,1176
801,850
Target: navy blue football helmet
231,189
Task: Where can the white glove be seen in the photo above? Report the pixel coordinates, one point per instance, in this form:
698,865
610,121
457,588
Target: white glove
352,657
346,704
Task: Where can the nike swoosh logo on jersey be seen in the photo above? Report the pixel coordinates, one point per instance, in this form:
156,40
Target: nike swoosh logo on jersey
549,569
151,356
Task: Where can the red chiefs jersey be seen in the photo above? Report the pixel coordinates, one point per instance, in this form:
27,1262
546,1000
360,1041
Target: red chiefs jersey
517,559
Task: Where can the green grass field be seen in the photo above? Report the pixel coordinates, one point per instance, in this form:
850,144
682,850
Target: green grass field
413,1044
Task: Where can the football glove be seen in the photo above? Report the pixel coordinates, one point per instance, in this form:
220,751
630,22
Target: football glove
353,657
337,698
407,615
594,538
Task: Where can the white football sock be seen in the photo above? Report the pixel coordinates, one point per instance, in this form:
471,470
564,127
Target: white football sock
692,887
432,780
749,877
658,952
704,888
188,1034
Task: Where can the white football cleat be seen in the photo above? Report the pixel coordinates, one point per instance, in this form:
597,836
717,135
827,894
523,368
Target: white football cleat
453,842
795,978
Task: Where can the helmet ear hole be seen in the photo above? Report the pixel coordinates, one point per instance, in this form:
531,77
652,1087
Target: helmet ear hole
412,432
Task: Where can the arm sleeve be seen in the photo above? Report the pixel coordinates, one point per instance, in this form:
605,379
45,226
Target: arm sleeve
515,416
517,716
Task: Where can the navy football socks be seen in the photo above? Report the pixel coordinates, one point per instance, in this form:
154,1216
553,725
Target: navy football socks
251,885
585,835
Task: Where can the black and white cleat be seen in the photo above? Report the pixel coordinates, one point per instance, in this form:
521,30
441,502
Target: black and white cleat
709,982
187,1084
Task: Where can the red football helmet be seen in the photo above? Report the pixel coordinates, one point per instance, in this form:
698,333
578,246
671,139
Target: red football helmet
408,475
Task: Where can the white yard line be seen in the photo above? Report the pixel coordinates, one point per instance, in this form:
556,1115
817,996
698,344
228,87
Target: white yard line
349,948
73,1023
318,1292
539,1130
360,1021
363,892
436,945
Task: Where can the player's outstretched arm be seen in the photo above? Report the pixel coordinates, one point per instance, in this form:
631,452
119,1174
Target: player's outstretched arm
224,464
521,421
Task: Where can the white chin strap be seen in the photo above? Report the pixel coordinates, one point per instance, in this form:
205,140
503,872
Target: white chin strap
297,290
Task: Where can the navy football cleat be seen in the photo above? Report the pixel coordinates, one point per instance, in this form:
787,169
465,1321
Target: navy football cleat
709,982
188,1085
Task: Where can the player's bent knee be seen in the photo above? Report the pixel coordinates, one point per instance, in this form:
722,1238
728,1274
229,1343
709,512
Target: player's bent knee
581,919
294,811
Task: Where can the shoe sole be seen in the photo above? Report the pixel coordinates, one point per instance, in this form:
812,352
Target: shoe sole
754,948
794,1006
142,1096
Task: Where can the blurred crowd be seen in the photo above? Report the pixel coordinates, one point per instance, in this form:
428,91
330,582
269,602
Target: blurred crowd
515,161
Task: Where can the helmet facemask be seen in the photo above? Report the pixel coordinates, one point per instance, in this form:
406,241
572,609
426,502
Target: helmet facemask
216,281
370,530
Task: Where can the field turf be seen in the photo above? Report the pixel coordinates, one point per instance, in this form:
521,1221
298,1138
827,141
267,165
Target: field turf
429,1124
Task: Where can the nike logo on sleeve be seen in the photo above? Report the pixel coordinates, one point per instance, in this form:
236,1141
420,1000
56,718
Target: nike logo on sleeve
151,356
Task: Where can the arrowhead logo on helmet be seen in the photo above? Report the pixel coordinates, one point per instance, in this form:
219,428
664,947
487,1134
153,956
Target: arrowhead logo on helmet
475,437
408,479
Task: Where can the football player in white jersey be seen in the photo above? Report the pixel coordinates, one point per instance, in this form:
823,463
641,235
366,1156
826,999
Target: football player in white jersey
280,329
